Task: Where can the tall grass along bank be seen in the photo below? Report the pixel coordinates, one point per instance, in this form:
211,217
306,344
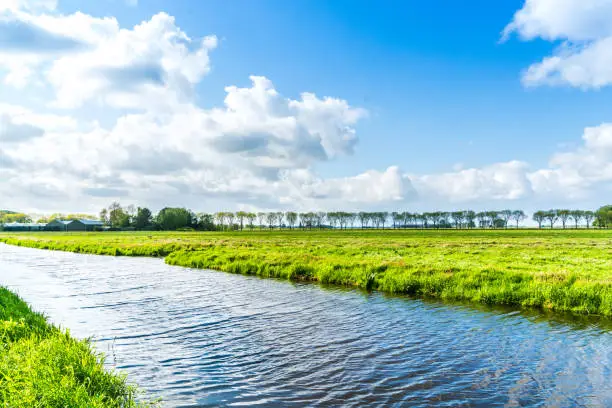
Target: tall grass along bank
43,366
555,270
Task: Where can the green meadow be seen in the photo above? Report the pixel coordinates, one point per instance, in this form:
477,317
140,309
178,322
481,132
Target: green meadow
564,270
43,366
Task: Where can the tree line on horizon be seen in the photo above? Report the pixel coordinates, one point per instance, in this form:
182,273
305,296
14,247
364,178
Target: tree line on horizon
141,218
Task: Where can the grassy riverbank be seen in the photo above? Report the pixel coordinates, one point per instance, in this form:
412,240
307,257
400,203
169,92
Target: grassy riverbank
43,366
568,270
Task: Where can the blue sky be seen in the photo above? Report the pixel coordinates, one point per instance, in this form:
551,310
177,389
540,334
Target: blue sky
442,92
440,86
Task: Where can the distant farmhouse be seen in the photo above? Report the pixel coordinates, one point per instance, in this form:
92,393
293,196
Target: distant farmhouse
55,225
19,226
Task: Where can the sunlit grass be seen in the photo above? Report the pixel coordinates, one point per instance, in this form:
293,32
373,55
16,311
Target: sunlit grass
566,270
43,366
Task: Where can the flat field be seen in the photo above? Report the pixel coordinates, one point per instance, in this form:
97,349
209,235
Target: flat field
565,270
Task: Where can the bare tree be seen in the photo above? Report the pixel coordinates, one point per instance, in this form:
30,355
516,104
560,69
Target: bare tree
220,219
251,217
364,218
443,219
470,216
349,219
230,217
130,210
291,218
241,215
104,216
427,217
483,218
319,218
406,219
397,218
271,219
505,215
280,219
261,217
588,217
383,218
458,218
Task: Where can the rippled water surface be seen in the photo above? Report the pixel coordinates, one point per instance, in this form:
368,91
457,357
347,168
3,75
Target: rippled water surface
204,338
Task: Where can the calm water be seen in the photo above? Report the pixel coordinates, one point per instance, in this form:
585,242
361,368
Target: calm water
204,338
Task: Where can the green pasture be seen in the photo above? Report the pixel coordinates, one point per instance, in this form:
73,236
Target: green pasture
565,270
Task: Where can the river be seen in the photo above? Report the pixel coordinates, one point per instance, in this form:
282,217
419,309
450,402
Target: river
206,338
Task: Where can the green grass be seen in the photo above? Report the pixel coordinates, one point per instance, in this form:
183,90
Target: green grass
43,366
564,270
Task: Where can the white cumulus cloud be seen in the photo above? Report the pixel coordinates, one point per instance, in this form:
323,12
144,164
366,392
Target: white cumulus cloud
499,181
257,148
584,28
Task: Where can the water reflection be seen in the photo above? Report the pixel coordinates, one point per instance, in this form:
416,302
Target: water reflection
204,338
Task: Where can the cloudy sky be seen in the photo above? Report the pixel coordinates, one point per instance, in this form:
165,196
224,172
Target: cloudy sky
274,104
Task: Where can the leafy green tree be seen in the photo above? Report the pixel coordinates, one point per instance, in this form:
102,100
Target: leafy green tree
143,218
552,216
577,215
539,217
492,217
604,216
9,217
117,216
205,222
564,215
518,216
171,219
59,216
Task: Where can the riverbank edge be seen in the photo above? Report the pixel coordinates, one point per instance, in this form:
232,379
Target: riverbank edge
507,288
43,365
